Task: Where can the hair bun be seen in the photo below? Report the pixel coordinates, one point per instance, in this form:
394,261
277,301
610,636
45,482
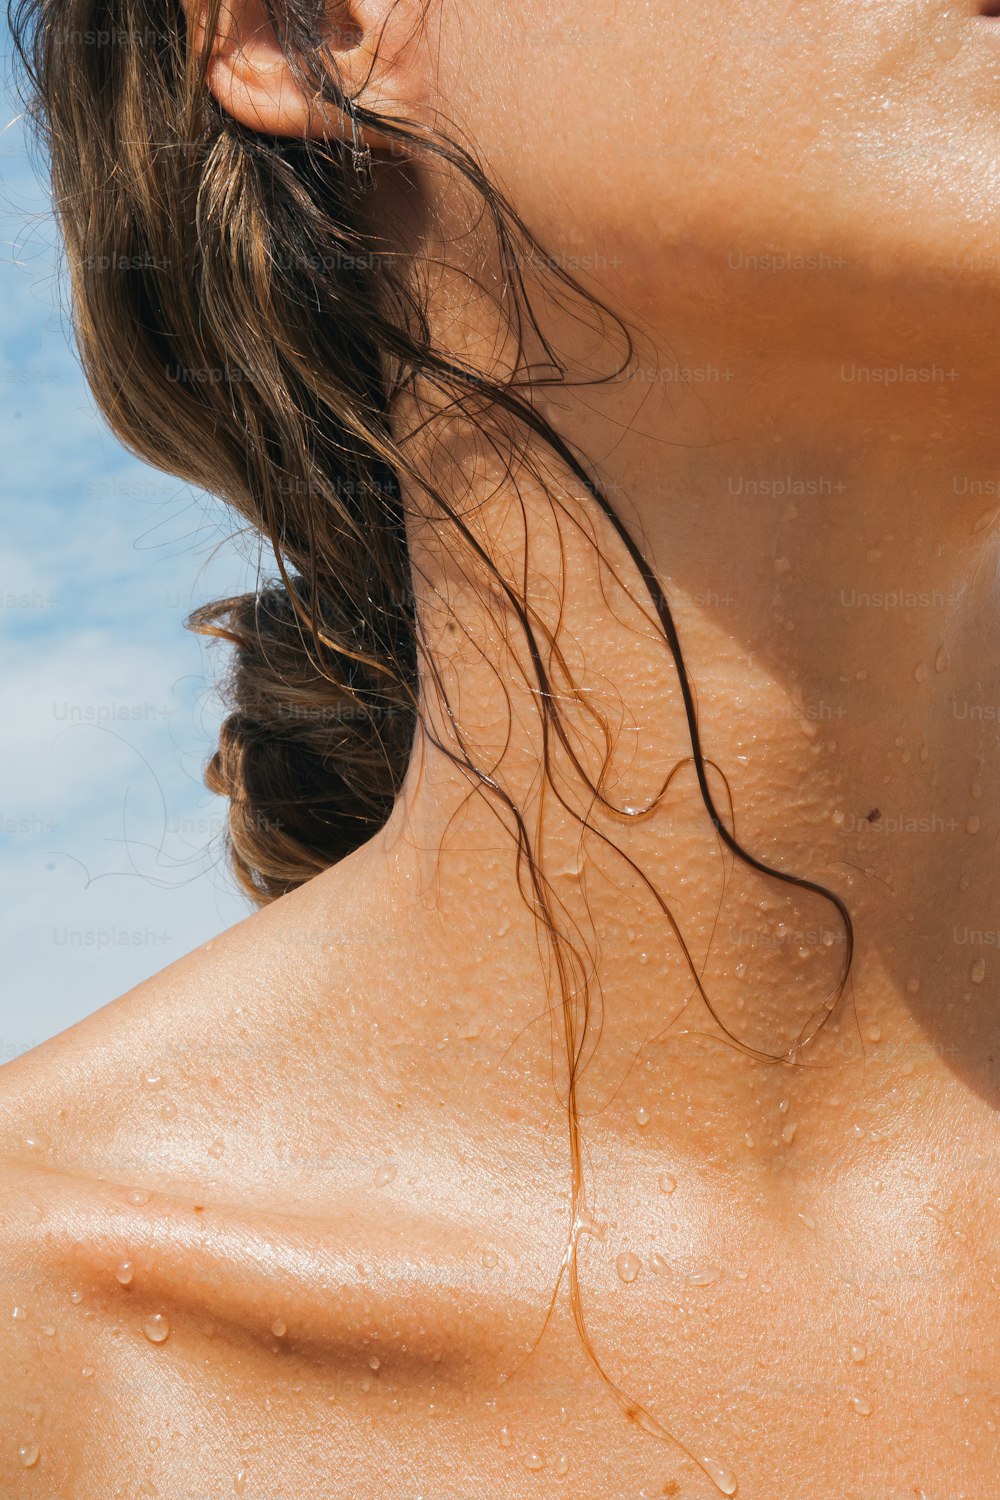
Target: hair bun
315,747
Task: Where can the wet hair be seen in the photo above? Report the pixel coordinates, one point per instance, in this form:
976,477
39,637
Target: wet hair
241,327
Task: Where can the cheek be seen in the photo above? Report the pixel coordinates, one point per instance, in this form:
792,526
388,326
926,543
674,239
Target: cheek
629,133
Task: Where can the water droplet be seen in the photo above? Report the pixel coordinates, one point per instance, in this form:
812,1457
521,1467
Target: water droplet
490,1258
858,1353
720,1476
216,1147
667,1182
920,671
76,1296
138,1196
124,1271
977,970
782,1105
658,1264
862,1406
169,1110
28,1454
587,1224
788,1132
561,1465
19,1312
505,1437
912,984
384,1175
874,1033
152,1444
156,1328
534,1461
704,1275
628,1265
941,661
87,1371
642,1115
374,1363
48,1330
808,1220
153,1081
38,1141
240,1481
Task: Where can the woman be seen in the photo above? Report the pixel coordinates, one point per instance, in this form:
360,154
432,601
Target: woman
602,1102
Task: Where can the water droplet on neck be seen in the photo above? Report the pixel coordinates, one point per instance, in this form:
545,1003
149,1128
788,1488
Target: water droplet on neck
642,1115
941,661
505,1437
138,1196
667,1182
87,1371
561,1465
168,1111
19,1313
534,1461
704,1275
38,1141
490,1258
384,1175
124,1271
240,1481
972,825
28,1455
720,1476
628,1265
279,1328
156,1328
862,1406
216,1147
858,1352
977,970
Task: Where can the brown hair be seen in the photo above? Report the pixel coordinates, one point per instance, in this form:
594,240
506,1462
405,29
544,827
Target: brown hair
240,327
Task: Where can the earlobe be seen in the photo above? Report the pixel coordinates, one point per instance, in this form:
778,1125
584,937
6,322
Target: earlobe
249,76
251,79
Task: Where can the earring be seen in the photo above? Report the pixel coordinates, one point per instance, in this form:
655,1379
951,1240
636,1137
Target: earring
361,155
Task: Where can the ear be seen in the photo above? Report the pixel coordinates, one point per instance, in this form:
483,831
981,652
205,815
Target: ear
373,41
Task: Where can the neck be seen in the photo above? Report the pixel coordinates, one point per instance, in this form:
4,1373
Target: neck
827,550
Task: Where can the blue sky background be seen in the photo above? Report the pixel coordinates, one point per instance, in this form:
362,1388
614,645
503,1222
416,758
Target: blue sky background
110,857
